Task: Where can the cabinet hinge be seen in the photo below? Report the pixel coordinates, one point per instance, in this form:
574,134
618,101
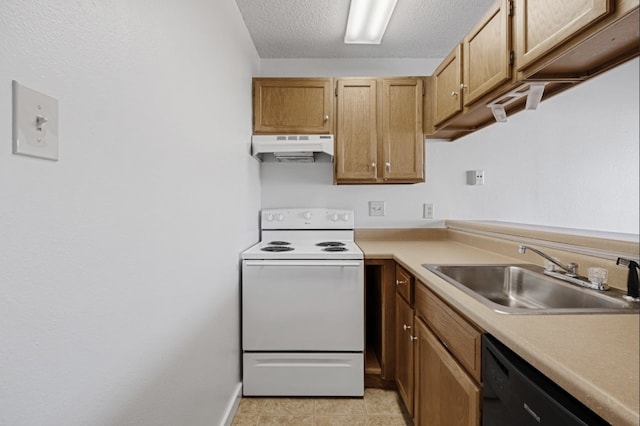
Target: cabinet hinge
511,57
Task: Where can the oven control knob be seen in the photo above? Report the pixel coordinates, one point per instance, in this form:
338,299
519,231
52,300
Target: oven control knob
280,217
345,217
268,217
334,217
307,215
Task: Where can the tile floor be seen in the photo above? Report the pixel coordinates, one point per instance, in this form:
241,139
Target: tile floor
378,407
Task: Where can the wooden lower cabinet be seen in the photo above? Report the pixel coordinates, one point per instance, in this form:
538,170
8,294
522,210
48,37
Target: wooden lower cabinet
444,392
405,338
438,384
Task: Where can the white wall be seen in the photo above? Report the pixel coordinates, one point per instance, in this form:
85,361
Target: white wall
119,271
572,163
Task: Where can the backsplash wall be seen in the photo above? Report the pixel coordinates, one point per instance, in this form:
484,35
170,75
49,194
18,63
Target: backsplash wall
573,163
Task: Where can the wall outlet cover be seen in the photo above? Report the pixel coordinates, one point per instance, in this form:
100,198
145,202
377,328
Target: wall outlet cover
428,211
475,177
35,123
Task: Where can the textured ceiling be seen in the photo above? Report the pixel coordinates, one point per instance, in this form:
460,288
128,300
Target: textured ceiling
315,28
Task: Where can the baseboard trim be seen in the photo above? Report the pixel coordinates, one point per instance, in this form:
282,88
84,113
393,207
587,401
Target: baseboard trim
232,407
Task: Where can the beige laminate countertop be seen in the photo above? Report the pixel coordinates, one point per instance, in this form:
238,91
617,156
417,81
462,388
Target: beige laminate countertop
593,357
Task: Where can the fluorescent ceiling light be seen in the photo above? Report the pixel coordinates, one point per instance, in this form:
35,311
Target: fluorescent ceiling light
368,20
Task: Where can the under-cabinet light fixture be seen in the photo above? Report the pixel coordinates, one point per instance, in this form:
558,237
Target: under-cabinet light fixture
368,20
533,92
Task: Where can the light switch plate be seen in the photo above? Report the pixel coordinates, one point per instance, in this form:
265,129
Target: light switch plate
35,123
376,208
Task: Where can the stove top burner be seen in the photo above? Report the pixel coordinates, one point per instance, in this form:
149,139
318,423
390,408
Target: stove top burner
276,248
331,244
334,248
279,243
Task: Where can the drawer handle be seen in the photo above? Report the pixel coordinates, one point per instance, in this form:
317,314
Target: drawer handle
398,282
406,327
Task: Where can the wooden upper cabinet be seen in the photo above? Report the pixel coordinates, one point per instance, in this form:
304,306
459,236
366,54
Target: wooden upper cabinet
293,105
447,83
487,53
543,25
356,132
476,67
517,42
402,136
379,136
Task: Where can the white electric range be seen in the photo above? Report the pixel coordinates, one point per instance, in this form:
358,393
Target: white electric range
303,306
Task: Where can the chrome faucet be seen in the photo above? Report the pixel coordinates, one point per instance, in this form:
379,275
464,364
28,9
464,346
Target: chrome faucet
571,269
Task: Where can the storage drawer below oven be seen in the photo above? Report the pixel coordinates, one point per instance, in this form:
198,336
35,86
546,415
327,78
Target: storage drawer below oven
303,374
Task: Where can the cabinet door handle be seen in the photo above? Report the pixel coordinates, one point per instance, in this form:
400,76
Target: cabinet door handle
454,93
398,282
413,338
326,117
388,166
463,86
373,165
406,327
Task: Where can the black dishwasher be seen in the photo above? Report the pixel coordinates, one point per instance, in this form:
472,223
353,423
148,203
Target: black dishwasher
515,393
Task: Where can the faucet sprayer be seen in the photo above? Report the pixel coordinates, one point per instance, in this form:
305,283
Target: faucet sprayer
632,279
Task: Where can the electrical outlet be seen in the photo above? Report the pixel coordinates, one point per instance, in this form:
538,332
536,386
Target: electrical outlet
475,177
376,208
427,211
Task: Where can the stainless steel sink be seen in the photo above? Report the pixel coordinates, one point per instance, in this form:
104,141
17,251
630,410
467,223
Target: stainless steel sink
524,289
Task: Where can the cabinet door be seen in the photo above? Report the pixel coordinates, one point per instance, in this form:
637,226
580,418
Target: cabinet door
402,137
486,53
462,339
447,81
356,136
445,394
404,351
293,105
543,25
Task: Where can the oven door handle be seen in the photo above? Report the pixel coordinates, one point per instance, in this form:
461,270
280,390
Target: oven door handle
303,262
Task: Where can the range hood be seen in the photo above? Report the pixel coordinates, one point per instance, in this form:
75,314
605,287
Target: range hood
293,148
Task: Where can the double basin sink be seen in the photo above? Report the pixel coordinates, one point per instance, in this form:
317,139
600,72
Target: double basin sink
525,289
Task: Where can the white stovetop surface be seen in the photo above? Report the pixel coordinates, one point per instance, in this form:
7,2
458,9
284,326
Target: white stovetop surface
304,244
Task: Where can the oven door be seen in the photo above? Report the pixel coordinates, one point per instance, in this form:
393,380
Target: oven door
303,305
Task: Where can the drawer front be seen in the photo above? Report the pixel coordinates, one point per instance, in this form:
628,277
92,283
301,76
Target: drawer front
461,338
303,374
404,284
